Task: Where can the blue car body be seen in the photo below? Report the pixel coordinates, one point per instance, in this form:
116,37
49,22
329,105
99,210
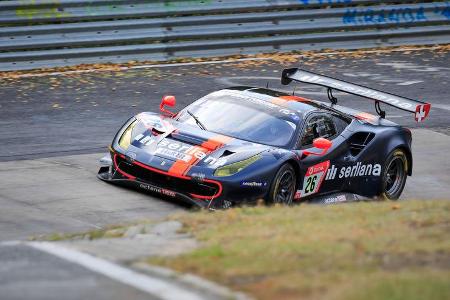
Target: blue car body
218,159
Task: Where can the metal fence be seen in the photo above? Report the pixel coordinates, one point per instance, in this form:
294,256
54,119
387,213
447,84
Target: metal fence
47,33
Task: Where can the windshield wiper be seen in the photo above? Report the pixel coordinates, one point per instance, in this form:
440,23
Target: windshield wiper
196,120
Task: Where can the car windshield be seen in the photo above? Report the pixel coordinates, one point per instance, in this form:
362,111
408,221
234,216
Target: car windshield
244,118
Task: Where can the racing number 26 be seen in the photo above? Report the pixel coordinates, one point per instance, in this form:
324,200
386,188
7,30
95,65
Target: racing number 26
310,184
313,178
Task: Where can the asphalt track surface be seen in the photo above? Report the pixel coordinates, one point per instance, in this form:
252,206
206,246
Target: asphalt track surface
27,273
53,130
79,113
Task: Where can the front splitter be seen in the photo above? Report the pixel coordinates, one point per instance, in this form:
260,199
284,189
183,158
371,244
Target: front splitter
150,188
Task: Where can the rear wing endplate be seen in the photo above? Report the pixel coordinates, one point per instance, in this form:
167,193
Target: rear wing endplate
420,109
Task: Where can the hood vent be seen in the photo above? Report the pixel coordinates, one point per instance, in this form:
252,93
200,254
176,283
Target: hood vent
227,153
156,132
186,138
359,141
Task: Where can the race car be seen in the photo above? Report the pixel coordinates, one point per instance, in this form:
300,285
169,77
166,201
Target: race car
241,144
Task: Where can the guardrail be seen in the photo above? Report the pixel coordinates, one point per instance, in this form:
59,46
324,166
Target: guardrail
48,33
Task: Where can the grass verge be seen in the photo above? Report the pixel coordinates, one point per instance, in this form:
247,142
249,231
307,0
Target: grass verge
376,250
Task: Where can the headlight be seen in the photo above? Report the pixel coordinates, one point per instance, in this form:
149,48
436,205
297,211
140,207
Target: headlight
236,167
125,139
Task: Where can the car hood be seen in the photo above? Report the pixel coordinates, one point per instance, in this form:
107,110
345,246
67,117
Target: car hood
160,142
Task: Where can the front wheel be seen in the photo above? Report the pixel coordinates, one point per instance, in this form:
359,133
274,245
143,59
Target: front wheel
394,175
282,189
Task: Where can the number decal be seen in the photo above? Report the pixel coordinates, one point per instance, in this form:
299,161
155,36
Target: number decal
310,184
314,177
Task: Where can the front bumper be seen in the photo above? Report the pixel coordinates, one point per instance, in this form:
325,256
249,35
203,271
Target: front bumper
106,176
137,175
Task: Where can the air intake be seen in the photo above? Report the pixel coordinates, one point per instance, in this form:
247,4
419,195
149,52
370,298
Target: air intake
359,141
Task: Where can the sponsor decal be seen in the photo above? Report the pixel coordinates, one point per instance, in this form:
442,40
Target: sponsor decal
357,170
198,176
337,199
144,140
355,89
181,151
298,195
155,122
226,204
295,117
254,183
200,153
279,152
130,156
173,154
288,112
261,102
157,190
313,178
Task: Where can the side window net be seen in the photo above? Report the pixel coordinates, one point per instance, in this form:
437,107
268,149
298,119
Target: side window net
318,126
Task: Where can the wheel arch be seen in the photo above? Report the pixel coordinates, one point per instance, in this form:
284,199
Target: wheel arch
296,168
396,140
409,158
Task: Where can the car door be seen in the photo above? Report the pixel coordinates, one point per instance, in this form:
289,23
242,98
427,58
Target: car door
317,172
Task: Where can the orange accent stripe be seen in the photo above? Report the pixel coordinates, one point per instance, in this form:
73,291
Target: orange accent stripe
365,116
216,142
212,144
181,167
294,98
278,101
284,100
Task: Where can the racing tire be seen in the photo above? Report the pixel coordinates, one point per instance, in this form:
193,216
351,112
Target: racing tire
282,190
394,175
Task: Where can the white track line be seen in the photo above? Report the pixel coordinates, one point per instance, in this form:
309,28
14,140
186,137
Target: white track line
441,106
153,286
11,243
145,66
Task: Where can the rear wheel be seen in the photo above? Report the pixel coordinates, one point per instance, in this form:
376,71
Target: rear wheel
282,189
394,175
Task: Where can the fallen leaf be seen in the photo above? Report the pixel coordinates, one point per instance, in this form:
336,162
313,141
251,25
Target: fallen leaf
396,206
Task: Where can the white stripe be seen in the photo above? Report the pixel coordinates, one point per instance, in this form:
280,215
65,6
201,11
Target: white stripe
410,82
10,243
212,62
441,106
154,286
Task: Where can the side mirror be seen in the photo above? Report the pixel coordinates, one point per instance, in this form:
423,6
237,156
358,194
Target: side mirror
319,143
169,101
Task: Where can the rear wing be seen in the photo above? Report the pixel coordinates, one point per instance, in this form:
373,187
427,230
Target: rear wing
418,108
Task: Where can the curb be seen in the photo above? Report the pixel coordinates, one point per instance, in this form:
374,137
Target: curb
157,281
211,289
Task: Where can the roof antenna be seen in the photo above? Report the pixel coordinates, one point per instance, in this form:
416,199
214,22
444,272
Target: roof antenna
267,84
293,91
